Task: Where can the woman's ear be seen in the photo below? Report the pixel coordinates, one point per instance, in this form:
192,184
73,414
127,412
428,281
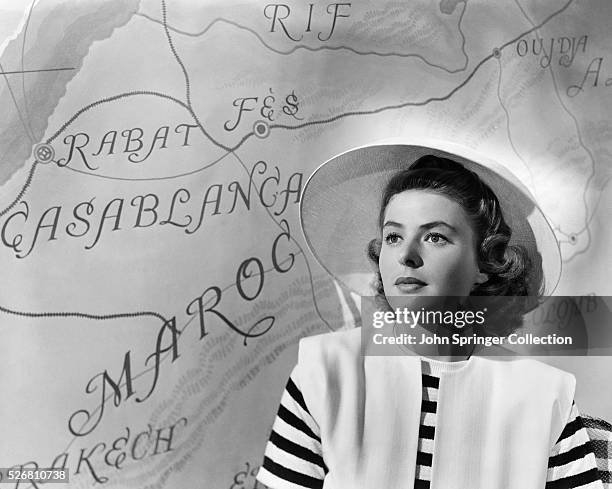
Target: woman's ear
481,278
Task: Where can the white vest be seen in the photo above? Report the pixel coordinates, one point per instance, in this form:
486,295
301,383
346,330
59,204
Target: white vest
496,420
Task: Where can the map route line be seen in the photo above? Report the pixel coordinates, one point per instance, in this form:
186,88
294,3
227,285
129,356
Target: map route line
165,355
26,127
508,130
430,99
560,231
188,105
308,48
595,207
386,107
21,72
585,228
176,56
83,315
114,98
23,43
150,179
294,241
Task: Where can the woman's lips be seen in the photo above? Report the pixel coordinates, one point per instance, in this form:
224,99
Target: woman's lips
409,284
408,288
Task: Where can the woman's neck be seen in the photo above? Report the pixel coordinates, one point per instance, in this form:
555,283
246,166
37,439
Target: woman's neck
438,349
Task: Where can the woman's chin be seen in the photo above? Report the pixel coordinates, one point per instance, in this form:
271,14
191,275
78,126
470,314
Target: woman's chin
414,301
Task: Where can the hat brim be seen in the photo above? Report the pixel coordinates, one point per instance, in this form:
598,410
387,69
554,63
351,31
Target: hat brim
340,204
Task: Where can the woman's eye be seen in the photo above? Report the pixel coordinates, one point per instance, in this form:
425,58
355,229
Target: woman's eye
436,238
392,238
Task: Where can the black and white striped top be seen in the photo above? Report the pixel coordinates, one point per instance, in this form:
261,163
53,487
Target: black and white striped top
294,459
427,428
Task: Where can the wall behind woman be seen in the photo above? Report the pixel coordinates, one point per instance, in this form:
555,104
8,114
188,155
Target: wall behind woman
154,279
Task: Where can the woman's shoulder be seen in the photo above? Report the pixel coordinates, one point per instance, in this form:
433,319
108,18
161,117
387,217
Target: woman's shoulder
336,344
525,365
532,374
348,339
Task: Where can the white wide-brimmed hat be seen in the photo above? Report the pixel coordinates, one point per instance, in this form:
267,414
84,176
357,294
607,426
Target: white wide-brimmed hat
341,200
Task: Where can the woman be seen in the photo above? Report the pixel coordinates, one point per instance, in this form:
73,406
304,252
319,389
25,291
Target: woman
459,421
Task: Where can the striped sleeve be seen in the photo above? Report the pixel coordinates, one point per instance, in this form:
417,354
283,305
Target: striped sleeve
572,462
427,427
293,458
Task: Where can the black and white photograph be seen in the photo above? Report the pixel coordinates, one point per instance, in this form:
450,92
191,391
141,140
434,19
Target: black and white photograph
288,245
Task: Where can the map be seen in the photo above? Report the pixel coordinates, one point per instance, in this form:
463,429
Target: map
155,280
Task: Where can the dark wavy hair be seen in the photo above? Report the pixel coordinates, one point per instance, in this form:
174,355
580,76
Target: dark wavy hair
510,270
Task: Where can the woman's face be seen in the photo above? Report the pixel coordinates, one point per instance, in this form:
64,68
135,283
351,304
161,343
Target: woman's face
428,249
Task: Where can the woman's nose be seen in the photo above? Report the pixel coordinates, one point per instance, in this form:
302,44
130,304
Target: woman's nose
410,255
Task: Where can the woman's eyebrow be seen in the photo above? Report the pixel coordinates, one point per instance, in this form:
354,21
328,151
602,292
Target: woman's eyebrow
393,223
433,224
427,225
